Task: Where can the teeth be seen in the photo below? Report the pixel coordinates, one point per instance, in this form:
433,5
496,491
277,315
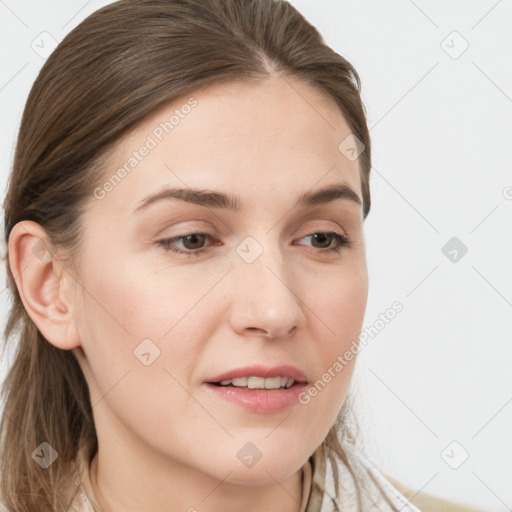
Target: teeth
256,382
259,382
272,383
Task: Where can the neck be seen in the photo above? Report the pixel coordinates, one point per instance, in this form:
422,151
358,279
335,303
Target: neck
120,492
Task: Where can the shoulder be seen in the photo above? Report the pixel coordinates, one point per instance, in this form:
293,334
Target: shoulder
338,487
430,502
379,492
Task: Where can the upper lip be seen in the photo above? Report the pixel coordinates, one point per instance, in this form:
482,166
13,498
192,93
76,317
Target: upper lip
261,371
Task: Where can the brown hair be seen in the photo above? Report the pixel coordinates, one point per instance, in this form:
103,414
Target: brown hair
121,64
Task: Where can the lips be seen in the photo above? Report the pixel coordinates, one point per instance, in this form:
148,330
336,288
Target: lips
259,382
262,372
256,389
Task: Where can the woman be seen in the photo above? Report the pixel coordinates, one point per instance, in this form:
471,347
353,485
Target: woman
184,223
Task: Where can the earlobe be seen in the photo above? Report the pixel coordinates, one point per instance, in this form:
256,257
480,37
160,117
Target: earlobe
42,282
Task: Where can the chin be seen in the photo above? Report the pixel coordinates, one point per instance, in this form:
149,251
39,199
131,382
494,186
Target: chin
249,467
261,475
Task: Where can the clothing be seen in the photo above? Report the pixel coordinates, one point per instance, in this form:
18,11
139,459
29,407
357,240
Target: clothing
432,503
317,474
377,493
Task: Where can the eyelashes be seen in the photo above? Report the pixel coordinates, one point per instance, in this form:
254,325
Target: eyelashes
170,244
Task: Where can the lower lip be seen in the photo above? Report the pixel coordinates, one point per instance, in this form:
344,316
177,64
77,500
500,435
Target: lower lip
259,400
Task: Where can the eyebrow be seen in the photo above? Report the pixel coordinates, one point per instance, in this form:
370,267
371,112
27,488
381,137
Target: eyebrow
220,200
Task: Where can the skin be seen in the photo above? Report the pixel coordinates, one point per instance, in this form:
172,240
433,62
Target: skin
165,443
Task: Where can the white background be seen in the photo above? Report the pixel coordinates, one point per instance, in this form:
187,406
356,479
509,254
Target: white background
441,127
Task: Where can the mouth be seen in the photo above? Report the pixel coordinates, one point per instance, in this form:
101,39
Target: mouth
256,382
259,389
260,377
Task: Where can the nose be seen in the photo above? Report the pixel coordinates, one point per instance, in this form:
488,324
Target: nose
266,297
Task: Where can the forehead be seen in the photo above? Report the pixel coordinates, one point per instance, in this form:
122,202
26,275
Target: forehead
256,140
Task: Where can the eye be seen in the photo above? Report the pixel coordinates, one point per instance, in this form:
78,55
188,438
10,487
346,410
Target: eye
339,242
194,239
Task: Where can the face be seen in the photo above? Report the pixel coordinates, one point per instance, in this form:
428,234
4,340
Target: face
258,286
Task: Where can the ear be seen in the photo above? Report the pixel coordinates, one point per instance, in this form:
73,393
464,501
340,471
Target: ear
43,284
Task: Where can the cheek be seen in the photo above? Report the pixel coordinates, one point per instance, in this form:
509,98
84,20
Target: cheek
337,313
138,300
124,323
133,314
338,306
